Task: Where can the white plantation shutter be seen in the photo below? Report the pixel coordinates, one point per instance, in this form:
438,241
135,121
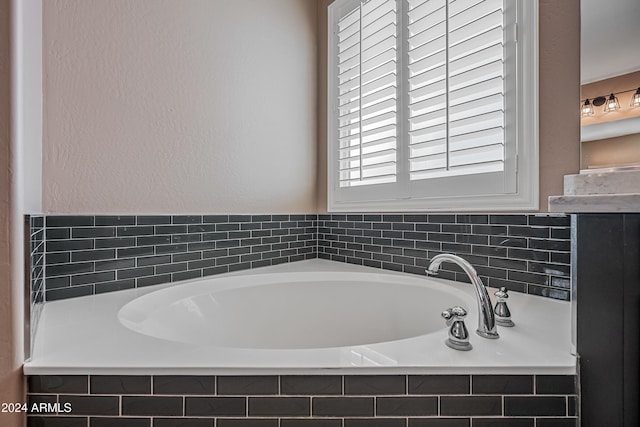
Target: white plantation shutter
367,103
456,92
428,113
425,104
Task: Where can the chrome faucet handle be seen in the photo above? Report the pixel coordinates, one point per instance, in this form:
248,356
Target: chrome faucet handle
503,314
458,334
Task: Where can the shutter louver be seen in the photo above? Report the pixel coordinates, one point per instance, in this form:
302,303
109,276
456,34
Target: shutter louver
367,99
456,87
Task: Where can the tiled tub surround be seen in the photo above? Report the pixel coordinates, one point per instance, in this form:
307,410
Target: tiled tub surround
35,227
196,390
307,401
524,253
88,255
97,254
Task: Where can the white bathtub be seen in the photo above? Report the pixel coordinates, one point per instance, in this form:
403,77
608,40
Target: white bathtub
294,310
304,317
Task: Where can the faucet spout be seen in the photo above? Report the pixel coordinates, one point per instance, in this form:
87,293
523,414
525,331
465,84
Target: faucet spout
486,316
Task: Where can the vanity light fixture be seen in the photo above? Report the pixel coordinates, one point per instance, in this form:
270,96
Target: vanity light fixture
587,109
635,99
612,104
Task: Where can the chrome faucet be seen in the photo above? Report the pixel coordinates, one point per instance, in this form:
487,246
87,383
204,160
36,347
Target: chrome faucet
486,315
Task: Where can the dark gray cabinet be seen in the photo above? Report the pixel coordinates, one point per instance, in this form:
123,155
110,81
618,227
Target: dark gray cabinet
607,273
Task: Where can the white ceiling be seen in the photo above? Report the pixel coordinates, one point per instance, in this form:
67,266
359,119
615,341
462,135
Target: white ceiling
610,38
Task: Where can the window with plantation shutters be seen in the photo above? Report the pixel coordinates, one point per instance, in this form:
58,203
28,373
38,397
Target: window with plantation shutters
432,105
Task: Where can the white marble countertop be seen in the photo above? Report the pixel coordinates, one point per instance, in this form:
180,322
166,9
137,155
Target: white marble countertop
606,191
596,203
84,336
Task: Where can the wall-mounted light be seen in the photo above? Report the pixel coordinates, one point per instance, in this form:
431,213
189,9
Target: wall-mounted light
586,109
635,99
610,102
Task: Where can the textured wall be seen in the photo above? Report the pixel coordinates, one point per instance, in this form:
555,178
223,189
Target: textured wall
11,380
559,91
5,191
611,151
180,107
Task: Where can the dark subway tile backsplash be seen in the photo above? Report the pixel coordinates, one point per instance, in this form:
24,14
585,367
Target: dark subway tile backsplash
184,384
152,405
439,384
311,384
97,254
524,253
343,406
502,384
69,221
374,384
247,385
120,384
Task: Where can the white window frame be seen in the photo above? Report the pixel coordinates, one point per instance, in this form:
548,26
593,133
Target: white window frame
526,191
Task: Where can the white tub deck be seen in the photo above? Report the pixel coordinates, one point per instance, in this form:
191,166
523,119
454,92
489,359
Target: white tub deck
84,336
